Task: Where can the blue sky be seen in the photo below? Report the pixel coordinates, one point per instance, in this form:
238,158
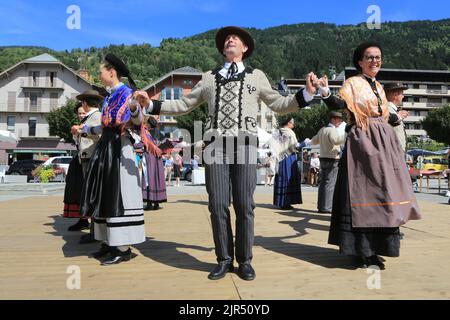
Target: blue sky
104,22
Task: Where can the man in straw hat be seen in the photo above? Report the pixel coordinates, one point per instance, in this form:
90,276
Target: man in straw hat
394,95
233,93
87,105
330,140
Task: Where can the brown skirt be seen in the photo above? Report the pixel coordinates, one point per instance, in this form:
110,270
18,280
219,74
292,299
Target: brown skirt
380,189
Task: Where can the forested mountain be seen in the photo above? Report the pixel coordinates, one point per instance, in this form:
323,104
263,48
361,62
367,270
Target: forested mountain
288,51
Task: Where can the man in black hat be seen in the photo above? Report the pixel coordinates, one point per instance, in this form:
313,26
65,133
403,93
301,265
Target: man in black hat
330,139
394,95
233,93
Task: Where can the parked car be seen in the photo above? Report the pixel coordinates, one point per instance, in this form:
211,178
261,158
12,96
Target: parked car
436,163
24,167
61,162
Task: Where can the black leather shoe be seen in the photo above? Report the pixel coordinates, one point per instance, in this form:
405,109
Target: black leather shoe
148,207
104,250
361,262
246,272
323,211
156,206
220,271
288,207
376,261
117,256
82,224
87,238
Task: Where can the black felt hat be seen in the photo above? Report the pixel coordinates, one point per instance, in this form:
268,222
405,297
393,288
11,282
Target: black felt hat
245,36
120,67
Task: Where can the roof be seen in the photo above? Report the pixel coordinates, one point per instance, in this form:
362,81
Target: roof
43,58
184,71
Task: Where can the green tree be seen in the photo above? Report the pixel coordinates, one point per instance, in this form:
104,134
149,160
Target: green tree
307,121
187,121
437,124
61,120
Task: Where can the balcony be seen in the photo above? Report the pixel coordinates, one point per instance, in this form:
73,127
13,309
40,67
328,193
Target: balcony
413,119
432,91
42,85
41,88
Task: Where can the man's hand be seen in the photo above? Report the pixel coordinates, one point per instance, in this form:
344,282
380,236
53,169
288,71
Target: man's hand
403,114
142,98
311,78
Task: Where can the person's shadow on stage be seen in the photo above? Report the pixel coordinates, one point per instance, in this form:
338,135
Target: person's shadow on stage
71,246
318,255
199,202
168,253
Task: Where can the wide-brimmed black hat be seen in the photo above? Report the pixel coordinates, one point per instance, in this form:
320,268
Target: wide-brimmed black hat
90,94
120,67
224,32
334,114
394,86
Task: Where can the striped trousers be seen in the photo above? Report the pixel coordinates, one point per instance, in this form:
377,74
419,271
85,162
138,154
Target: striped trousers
236,183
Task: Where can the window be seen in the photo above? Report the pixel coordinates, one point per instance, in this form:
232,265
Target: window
66,160
166,94
187,82
52,79
434,87
32,127
35,75
416,113
435,100
11,122
53,100
33,99
417,126
177,93
416,99
416,86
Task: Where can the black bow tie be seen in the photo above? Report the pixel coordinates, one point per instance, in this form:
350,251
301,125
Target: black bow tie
232,70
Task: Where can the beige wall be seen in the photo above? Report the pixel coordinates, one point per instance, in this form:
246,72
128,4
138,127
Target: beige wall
15,100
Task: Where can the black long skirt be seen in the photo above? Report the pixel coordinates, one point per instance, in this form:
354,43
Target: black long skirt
73,189
101,196
363,242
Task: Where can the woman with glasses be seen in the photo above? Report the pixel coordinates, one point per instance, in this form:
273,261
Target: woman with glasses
373,195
